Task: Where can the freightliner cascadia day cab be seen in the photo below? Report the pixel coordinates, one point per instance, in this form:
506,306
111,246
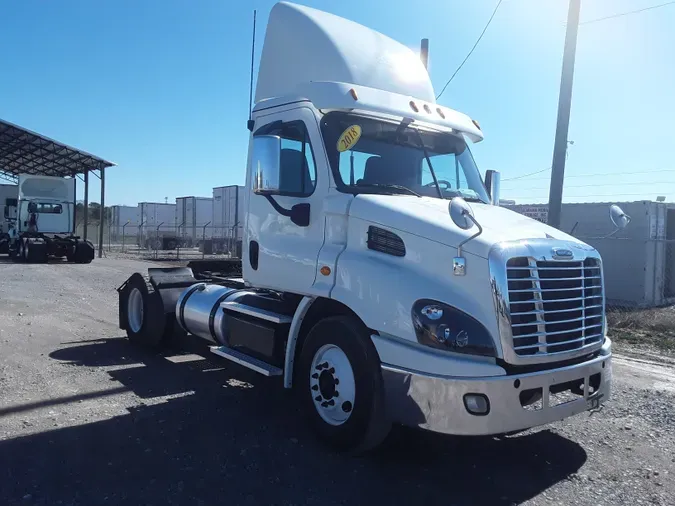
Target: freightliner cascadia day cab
43,222
379,277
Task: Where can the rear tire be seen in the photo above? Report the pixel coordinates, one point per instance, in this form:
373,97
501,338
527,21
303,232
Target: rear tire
146,323
339,348
16,253
36,252
84,252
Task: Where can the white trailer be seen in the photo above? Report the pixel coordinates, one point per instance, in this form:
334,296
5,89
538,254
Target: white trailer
192,214
228,212
380,278
158,225
125,220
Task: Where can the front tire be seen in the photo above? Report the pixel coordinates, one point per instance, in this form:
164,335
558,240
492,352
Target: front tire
340,386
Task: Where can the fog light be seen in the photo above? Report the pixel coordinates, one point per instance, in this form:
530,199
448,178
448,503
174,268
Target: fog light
477,404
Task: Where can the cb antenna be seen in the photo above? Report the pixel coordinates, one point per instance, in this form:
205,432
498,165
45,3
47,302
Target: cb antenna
250,90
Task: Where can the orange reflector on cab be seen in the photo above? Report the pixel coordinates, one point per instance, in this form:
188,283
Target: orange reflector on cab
325,270
352,92
413,106
476,123
440,112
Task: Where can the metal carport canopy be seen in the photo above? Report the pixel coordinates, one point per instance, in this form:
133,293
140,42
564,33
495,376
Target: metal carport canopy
23,151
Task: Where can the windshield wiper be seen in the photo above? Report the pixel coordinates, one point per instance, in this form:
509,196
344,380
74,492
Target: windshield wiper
406,123
389,187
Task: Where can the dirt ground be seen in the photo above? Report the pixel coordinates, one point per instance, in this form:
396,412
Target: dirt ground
86,419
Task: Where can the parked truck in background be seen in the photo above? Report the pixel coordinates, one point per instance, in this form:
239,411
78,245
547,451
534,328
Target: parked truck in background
380,279
41,225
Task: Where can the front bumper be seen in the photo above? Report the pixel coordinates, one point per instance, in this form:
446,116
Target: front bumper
436,403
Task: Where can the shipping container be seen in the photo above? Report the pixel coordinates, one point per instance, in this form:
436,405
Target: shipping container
229,212
192,214
639,261
124,220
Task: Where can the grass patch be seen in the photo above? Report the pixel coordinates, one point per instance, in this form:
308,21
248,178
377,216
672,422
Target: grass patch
646,328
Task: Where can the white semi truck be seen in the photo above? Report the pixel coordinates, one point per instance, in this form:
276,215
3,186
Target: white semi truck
41,225
379,277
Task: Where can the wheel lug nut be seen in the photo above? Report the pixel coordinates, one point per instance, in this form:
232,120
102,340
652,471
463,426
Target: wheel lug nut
315,388
331,402
336,381
331,370
324,404
336,394
315,376
317,398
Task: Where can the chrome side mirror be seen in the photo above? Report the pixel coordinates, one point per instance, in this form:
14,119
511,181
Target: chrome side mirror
493,185
266,164
461,213
462,216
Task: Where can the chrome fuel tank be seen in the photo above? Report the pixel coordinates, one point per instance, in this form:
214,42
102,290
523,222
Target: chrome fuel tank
198,310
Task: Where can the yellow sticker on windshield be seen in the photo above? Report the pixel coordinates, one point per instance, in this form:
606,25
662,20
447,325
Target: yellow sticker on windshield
349,138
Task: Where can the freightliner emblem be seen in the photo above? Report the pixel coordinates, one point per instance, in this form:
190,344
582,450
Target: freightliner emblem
562,253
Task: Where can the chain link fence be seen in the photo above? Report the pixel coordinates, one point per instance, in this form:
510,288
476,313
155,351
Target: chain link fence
168,242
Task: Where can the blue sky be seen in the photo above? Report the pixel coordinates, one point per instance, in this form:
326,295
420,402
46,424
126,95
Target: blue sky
161,87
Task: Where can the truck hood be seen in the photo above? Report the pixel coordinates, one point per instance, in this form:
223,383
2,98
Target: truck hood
430,218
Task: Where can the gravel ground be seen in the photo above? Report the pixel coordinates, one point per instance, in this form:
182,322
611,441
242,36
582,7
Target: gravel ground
87,419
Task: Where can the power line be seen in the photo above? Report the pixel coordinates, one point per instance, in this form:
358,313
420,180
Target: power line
588,196
526,175
472,49
599,184
626,13
591,175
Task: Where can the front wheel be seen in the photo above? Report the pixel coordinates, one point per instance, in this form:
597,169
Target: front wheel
339,383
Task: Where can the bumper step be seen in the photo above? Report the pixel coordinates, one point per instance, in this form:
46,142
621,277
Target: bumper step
247,361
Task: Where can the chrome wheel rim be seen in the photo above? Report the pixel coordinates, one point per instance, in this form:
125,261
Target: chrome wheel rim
135,310
332,385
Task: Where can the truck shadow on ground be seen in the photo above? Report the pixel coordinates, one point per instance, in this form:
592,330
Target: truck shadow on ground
226,435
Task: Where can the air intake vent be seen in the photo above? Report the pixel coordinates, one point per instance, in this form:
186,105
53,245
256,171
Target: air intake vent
385,241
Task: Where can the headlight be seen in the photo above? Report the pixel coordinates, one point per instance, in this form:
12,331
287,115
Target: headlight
447,328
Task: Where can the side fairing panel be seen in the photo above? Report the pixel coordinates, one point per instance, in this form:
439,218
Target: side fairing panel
382,288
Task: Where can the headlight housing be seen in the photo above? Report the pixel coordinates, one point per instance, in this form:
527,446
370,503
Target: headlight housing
447,328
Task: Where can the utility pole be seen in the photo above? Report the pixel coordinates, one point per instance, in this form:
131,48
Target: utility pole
564,105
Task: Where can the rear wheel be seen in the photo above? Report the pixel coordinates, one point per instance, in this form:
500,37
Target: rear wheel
339,383
17,251
83,254
145,321
25,250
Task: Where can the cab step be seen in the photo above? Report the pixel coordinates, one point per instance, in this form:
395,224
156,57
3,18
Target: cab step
247,361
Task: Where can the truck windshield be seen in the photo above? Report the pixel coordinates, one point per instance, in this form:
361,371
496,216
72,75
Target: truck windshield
369,155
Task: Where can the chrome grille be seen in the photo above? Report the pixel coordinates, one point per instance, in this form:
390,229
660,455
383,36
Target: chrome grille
555,306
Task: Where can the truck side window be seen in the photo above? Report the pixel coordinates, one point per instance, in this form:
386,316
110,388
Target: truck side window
298,171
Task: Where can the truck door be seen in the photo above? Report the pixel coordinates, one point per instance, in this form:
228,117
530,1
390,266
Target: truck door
279,251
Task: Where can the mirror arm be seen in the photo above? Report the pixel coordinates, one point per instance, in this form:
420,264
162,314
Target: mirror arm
299,213
480,231
282,211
